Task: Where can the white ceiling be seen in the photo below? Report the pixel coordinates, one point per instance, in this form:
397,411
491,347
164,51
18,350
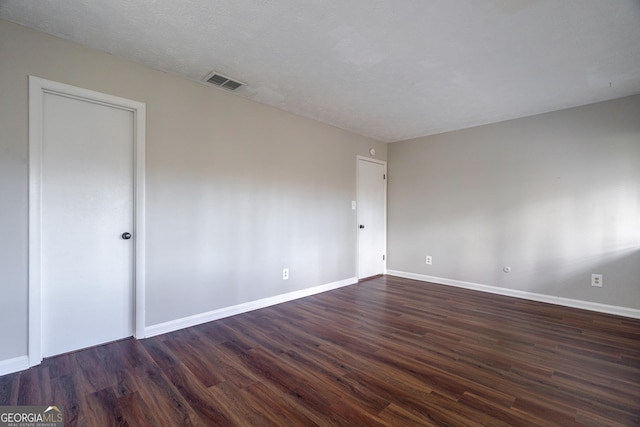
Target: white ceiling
387,69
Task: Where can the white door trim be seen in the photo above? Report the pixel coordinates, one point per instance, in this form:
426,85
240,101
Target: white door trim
38,87
384,164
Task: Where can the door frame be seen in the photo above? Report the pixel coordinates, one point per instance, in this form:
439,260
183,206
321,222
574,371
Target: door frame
38,87
384,164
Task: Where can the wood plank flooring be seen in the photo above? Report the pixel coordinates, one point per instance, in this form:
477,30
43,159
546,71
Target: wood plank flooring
385,352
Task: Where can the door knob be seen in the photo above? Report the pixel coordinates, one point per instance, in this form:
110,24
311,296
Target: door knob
361,226
126,236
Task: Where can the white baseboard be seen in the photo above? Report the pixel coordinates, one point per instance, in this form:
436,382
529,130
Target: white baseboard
197,319
567,302
16,364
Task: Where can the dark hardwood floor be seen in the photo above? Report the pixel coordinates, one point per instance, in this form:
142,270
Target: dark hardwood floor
387,351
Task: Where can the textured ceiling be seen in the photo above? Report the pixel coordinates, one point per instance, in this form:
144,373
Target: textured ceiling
387,69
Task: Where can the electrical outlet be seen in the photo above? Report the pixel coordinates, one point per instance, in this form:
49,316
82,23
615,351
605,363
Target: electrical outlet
596,280
285,274
428,260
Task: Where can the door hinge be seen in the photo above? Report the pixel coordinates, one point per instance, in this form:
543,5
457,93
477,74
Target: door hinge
383,257
384,176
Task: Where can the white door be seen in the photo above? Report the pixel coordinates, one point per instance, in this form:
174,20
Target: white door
371,218
87,198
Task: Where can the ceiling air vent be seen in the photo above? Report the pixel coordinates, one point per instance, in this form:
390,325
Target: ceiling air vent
222,81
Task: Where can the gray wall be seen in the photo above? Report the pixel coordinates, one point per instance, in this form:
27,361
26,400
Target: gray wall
235,190
556,197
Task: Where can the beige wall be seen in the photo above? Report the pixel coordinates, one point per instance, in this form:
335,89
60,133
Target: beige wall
556,197
235,190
